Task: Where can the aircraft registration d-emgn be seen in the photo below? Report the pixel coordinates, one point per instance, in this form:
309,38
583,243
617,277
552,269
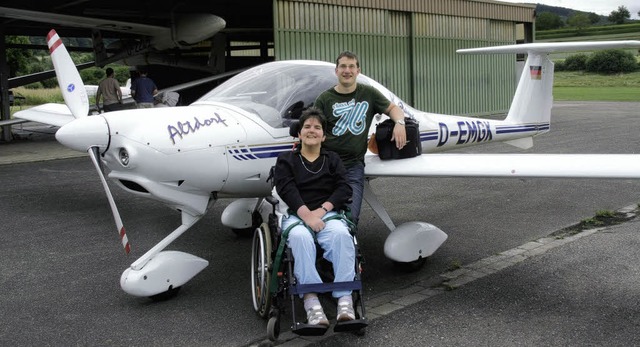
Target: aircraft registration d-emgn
224,144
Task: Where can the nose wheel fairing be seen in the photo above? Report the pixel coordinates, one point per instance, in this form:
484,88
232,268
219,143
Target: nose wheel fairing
166,271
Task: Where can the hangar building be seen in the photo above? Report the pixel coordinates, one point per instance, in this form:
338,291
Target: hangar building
410,46
407,45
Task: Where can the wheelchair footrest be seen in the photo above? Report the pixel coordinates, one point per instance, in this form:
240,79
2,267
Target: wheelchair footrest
324,287
309,330
350,325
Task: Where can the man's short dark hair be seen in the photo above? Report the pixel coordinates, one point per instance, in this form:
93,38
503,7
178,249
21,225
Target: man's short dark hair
109,71
349,55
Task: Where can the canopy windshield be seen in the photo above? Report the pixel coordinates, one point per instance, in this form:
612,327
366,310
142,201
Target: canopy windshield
276,92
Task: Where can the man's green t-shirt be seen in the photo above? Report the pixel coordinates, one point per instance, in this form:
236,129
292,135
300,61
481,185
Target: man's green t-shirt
349,117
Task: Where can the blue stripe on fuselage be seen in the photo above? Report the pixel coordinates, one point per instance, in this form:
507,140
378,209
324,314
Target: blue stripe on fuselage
258,151
478,131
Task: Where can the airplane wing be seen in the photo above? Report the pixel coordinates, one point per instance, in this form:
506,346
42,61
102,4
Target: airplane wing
91,89
59,114
178,87
507,165
19,81
84,22
551,47
12,122
53,114
200,81
188,28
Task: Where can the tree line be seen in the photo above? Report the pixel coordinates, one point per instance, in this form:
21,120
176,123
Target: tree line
23,62
549,20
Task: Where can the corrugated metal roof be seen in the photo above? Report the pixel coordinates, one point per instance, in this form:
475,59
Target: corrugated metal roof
515,12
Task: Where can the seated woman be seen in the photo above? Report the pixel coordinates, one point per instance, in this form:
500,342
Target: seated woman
311,181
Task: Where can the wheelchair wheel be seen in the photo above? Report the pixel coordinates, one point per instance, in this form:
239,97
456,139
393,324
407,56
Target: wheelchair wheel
260,270
273,328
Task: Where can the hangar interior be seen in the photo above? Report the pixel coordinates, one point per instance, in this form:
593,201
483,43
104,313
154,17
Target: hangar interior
409,46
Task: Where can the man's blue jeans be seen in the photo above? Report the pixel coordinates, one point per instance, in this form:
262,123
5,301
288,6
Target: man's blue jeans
355,178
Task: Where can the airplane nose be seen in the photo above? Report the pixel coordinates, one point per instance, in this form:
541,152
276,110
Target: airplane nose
83,133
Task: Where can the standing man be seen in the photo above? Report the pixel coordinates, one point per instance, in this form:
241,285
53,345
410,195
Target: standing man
110,88
143,90
349,108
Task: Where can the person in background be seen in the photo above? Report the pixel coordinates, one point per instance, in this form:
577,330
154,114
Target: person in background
109,89
312,182
349,108
143,90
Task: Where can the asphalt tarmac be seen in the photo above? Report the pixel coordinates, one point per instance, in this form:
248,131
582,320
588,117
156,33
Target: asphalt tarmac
499,280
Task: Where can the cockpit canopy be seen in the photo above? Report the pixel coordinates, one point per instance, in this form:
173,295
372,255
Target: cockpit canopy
278,92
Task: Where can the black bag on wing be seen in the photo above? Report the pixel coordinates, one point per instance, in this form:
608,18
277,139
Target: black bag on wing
388,149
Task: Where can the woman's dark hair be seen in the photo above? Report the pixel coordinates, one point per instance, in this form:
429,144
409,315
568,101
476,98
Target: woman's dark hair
312,112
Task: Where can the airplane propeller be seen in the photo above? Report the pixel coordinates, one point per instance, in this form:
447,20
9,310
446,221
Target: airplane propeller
84,133
94,152
71,85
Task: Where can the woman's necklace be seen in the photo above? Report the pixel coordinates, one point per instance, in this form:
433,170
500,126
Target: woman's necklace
306,168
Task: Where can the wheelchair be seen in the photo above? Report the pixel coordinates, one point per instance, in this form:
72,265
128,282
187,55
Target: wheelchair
273,284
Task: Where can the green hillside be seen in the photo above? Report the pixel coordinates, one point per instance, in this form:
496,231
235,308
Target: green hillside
582,86
629,31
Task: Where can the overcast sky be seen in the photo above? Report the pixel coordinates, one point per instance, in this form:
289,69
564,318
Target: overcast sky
602,7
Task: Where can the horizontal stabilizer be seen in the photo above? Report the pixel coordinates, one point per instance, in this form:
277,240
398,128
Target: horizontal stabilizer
53,114
552,47
508,165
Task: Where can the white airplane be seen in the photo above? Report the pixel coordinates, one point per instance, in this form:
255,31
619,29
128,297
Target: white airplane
183,31
224,144
186,28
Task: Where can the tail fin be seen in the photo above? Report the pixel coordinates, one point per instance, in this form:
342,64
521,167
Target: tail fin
71,85
533,99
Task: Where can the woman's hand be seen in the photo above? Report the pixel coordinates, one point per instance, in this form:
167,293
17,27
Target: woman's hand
316,224
313,219
318,212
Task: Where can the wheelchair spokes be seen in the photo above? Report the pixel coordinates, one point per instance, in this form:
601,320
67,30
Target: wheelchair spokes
260,270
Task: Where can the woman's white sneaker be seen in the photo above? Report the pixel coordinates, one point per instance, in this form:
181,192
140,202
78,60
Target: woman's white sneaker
316,316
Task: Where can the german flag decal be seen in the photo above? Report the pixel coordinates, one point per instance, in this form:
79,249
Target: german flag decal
536,72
